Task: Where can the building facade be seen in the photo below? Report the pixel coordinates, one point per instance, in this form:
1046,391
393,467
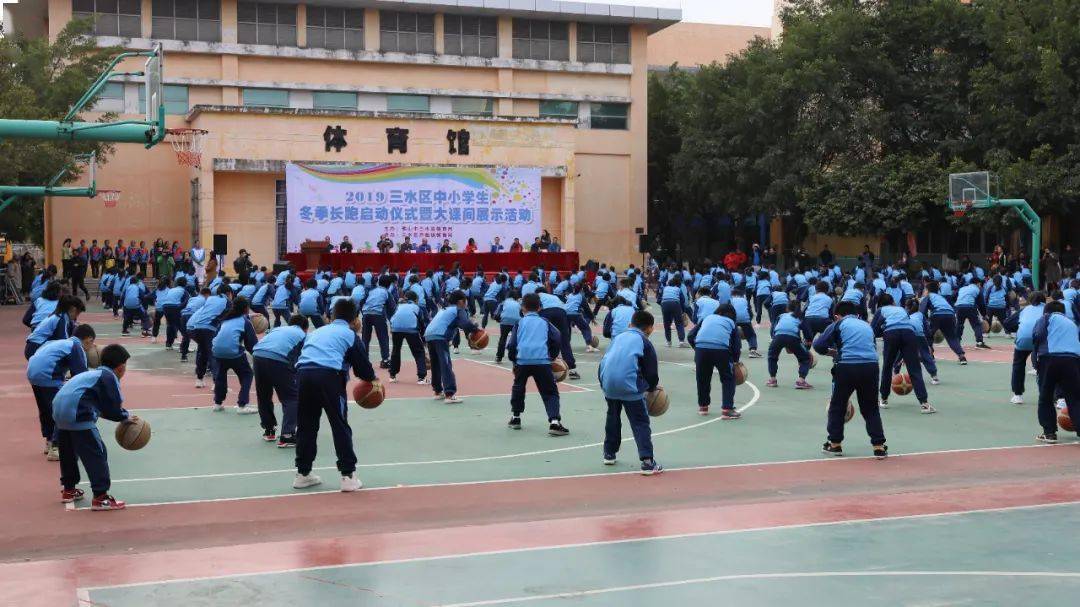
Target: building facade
560,86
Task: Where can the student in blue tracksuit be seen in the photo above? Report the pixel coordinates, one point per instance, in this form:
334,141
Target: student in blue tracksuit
406,326
995,294
778,304
819,311
534,343
193,304
328,354
892,324
1056,352
282,301
59,325
942,317
312,304
673,305
163,286
508,313
46,371
495,293
968,303
476,289
134,306
76,408
118,287
627,372
105,286
202,326
42,306
579,315
704,305
554,310
601,291
275,359
378,307
785,336
921,327
850,340
264,294
1022,325
744,315
717,346
619,317
437,335
762,294
235,335
170,304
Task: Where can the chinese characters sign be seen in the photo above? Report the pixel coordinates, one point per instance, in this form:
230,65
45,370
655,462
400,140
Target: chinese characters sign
365,201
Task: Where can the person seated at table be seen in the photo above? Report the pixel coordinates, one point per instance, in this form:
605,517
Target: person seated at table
515,247
554,247
446,248
496,246
345,246
536,247
385,245
471,246
424,246
406,246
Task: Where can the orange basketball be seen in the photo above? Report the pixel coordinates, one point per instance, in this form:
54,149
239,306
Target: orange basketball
848,415
985,327
741,373
559,370
369,394
259,323
478,340
1065,422
901,384
134,434
595,341
657,401
685,320
813,360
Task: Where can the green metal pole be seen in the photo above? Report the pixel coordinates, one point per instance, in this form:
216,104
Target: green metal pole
6,201
1034,223
36,190
128,132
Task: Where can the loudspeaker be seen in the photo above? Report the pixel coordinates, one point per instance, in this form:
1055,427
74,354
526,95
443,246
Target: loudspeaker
643,243
281,266
221,244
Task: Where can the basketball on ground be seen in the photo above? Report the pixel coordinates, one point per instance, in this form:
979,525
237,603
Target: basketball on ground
657,401
813,360
985,327
259,323
901,384
93,357
559,370
478,340
938,337
1064,421
685,320
594,342
741,373
995,327
133,434
368,394
848,415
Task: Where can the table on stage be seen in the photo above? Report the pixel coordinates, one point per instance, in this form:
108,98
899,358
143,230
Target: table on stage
491,262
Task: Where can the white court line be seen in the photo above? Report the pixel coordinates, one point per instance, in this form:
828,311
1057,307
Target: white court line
759,576
511,370
674,536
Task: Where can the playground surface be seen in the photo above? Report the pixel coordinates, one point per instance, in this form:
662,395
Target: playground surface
457,509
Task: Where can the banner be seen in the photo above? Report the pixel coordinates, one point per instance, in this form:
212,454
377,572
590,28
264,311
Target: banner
365,201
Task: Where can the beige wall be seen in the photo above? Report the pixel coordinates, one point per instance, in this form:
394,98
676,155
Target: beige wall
691,44
244,210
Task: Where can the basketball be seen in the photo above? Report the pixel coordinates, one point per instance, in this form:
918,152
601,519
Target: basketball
901,384
1064,421
478,340
133,434
93,357
938,337
985,327
813,360
995,327
368,394
259,323
559,370
848,415
594,342
839,291
657,401
740,372
742,333
685,320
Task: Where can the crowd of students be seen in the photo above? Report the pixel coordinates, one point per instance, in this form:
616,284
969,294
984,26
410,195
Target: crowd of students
323,326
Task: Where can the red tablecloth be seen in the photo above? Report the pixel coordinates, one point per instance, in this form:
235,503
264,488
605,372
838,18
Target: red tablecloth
491,262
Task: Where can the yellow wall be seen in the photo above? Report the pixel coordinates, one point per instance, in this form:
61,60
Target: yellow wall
244,210
700,43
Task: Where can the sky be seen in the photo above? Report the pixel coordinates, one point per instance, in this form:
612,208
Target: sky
731,12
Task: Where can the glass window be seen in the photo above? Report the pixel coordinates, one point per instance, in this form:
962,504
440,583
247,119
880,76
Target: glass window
187,20
559,109
281,217
471,36
411,33
112,90
263,23
266,97
111,17
334,100
602,43
472,106
335,28
541,40
176,99
408,103
609,116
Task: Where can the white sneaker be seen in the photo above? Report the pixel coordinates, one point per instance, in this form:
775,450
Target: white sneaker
393,380
153,340
439,396
350,483
168,347
423,382
199,383
53,454
1033,372
303,481
927,408
1060,404
457,351
453,400
218,407
246,410
683,344
934,381
1017,399
883,404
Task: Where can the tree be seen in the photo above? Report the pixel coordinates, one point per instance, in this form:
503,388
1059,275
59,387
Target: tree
42,81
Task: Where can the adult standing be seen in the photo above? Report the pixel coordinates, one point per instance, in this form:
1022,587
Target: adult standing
1051,266
198,259
545,239
65,257
242,266
27,264
867,258
826,256
78,275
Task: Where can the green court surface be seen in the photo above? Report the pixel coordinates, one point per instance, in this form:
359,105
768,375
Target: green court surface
198,455
1004,557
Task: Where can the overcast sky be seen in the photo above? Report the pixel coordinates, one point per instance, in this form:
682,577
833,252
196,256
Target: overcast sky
733,12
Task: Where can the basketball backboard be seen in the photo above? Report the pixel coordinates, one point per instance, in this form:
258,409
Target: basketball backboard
155,91
975,190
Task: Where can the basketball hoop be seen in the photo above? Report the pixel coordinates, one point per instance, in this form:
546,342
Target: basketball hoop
188,145
110,197
961,207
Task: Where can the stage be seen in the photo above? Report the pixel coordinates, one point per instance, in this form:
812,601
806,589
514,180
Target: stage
469,262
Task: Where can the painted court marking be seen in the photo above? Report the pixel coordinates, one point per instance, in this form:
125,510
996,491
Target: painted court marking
622,541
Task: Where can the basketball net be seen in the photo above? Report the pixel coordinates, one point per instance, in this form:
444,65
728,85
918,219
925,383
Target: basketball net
188,145
962,207
110,197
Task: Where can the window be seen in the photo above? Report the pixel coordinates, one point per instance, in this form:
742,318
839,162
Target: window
111,17
281,217
335,28
333,100
261,23
110,98
266,97
406,32
176,99
408,103
608,116
472,106
603,43
541,40
187,20
559,109
471,36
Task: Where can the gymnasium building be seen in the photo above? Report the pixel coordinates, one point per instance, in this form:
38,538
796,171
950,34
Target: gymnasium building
548,84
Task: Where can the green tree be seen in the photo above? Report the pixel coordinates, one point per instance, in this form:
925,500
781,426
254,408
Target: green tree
41,81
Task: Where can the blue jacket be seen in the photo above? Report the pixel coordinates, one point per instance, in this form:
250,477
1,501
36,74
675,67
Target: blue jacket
407,319
890,318
618,321
38,285
549,301
88,395
446,322
937,304
53,361
509,312
207,316
919,323
1055,335
787,324
282,297
494,291
193,305
704,306
311,303
378,303
247,291
967,296
534,341
716,332
133,296
337,347
629,367
52,328
1022,324
853,340
261,293
175,297
38,311
819,306
335,285
233,337
779,298
282,344
742,310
